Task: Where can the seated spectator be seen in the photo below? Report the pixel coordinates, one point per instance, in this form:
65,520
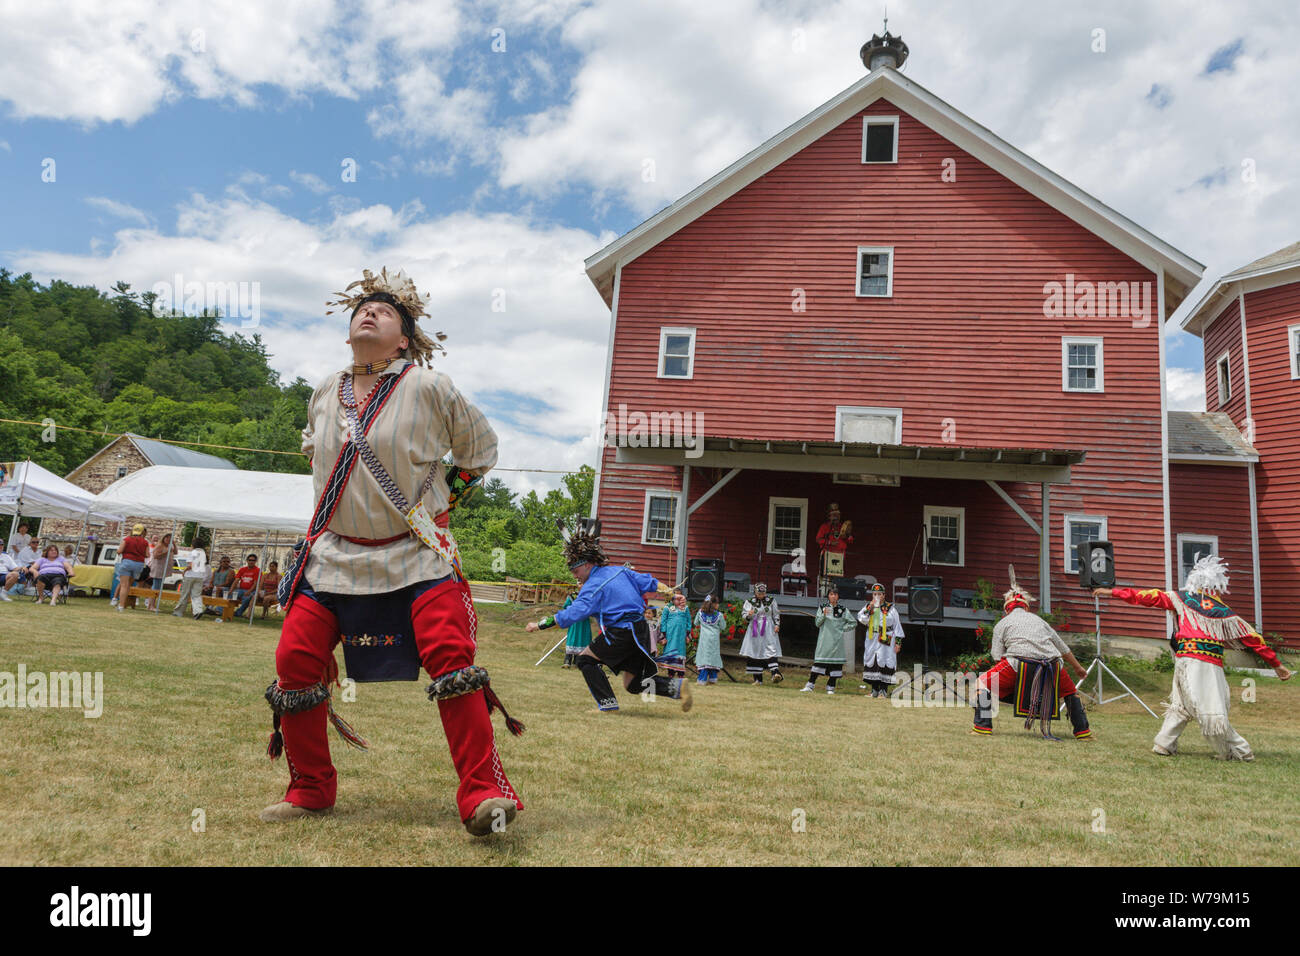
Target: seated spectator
267,594
51,571
246,579
19,539
219,580
132,555
8,574
24,559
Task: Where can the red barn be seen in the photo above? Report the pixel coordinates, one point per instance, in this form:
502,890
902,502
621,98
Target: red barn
1249,324
888,307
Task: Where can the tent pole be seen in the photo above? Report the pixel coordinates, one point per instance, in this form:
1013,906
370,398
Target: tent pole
76,554
18,505
257,586
171,543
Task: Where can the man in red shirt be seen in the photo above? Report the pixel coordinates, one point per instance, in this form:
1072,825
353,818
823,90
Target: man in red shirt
245,581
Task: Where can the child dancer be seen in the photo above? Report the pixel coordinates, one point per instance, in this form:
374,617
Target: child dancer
833,622
674,625
708,652
579,637
652,630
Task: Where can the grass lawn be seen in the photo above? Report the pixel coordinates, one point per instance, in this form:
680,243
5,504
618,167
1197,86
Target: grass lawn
184,728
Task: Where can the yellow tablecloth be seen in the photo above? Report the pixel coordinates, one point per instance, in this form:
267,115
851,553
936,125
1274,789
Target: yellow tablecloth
92,576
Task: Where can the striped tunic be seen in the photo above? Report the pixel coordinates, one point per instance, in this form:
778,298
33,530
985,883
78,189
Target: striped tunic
424,419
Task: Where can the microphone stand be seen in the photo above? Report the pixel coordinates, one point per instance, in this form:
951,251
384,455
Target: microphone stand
1101,666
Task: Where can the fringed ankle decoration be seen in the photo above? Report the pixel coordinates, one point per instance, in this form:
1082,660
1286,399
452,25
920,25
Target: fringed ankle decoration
457,683
290,702
516,727
295,701
348,732
467,680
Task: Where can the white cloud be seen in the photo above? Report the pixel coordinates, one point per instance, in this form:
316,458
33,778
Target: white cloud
541,360
5,146
120,210
310,181
1185,389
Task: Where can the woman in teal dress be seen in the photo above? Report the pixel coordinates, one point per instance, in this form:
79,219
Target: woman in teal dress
708,652
578,639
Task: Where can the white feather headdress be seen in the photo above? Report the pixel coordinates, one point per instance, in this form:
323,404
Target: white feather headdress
1016,591
1208,575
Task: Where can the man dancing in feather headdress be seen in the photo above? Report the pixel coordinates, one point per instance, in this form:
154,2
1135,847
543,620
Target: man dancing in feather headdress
1029,654
615,596
1206,625
377,570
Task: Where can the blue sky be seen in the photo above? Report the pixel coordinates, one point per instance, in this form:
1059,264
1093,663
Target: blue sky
498,144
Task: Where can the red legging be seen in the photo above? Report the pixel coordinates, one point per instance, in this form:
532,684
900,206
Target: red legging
444,634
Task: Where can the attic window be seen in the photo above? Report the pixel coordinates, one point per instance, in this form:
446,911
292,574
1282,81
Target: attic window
880,139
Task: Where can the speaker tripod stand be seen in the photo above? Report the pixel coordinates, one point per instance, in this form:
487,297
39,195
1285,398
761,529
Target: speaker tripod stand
1098,663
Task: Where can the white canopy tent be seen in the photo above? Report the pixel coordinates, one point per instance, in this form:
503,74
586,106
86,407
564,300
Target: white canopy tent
214,498
30,490
27,489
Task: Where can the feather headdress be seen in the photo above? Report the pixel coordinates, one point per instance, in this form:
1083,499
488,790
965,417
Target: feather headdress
400,286
582,545
1016,596
1209,575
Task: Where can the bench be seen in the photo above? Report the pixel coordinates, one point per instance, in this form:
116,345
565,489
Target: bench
227,606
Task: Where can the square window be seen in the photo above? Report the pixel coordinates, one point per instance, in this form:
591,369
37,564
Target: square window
1080,529
660,523
945,535
1081,364
676,353
875,272
1192,547
880,139
786,521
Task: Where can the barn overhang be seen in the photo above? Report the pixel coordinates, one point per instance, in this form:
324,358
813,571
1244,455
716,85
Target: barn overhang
861,458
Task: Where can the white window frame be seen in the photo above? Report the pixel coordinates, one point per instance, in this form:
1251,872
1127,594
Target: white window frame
868,121
1223,376
1066,342
1210,539
645,516
1065,532
857,272
666,331
842,410
772,504
946,511
1293,349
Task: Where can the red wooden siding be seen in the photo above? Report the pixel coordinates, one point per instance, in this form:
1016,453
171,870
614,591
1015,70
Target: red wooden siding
962,342
1215,500
1224,335
1275,407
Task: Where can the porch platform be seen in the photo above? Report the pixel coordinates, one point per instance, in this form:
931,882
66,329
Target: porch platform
956,617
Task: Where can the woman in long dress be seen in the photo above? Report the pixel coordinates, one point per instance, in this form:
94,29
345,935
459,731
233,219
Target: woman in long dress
762,644
708,651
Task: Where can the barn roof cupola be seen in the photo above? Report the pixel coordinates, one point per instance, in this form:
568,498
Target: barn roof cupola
884,50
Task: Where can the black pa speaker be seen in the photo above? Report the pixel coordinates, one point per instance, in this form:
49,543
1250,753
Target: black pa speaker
704,576
1096,564
924,599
